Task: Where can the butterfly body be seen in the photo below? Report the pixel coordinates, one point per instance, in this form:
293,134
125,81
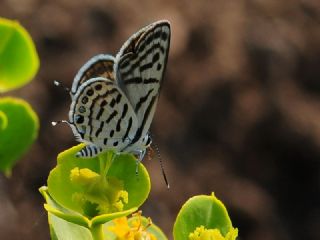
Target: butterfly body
114,99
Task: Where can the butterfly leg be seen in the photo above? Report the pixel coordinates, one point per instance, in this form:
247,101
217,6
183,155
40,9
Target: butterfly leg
89,150
140,154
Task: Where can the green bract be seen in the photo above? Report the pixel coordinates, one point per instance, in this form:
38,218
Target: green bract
60,228
203,217
3,121
19,61
92,191
19,129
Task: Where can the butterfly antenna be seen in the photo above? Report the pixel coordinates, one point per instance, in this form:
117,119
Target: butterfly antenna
59,84
161,165
60,121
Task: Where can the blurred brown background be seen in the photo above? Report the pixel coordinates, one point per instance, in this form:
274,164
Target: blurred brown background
239,112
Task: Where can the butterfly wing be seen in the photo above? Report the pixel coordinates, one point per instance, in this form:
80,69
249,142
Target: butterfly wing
101,116
139,68
98,66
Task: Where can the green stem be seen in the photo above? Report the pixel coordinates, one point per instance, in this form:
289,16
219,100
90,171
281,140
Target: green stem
97,232
105,165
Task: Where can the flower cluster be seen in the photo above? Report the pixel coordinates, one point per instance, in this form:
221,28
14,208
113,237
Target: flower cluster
92,199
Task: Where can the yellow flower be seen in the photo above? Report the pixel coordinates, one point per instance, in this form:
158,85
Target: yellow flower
97,194
83,176
131,231
201,233
121,228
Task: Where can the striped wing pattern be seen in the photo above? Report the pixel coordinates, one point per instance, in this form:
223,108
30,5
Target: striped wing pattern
98,66
140,65
102,116
114,99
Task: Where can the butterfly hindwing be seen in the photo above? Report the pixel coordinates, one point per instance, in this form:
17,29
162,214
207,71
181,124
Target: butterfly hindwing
98,66
139,67
102,116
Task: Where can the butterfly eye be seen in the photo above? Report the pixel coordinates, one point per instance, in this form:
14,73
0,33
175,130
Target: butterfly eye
149,140
79,119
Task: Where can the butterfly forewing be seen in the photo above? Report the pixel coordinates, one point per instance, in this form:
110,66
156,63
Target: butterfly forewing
102,115
139,68
98,66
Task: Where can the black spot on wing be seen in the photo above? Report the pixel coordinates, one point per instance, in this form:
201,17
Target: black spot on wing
135,64
84,100
98,87
144,120
137,80
155,57
90,92
146,66
118,99
82,109
111,133
149,38
150,80
128,129
164,36
142,46
157,34
142,100
111,116
101,110
124,111
79,119
112,103
100,128
118,127
134,80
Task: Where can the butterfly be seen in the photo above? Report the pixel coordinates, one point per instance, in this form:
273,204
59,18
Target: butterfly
114,98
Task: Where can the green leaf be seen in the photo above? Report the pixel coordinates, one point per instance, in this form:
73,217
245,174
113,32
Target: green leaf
19,61
61,229
3,121
21,131
63,190
198,211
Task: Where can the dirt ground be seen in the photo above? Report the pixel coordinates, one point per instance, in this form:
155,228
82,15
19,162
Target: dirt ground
239,112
